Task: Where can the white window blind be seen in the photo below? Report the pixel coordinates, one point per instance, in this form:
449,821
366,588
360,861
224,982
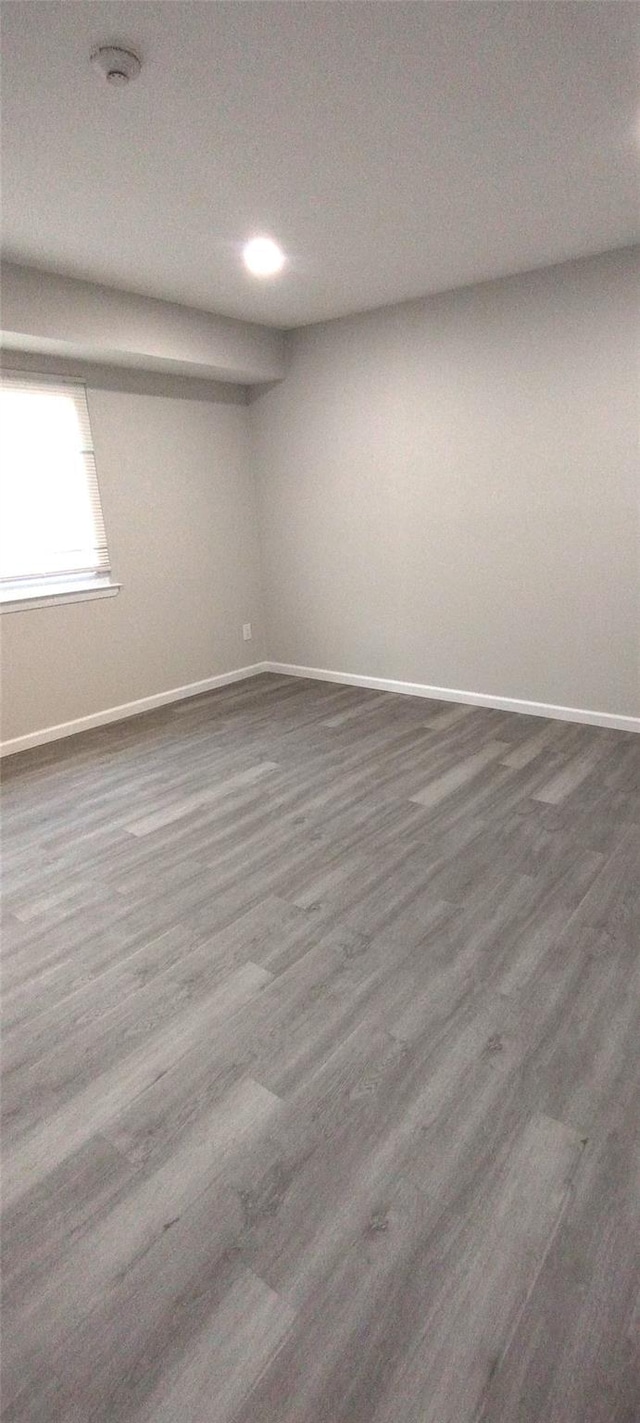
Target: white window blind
52,535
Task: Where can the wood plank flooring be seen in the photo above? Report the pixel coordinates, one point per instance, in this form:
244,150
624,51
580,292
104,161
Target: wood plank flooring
322,1066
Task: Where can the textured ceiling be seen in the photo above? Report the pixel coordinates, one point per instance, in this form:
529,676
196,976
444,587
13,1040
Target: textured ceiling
393,149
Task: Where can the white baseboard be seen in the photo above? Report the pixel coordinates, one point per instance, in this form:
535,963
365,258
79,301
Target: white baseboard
102,718
451,694
351,679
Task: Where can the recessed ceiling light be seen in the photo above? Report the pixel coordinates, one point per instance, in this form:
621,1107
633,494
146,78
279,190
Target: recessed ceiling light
263,257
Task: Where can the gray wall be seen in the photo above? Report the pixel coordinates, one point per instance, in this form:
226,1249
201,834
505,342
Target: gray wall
448,494
179,505
449,490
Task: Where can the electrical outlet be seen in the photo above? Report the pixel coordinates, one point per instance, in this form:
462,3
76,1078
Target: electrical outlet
246,632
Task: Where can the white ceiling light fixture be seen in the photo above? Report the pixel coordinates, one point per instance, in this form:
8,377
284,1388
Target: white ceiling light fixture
262,257
116,65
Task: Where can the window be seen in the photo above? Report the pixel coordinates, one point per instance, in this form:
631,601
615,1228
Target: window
52,539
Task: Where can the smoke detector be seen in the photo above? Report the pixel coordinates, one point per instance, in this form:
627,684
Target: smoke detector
116,65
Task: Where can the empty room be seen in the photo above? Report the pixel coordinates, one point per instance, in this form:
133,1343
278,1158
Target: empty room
320,634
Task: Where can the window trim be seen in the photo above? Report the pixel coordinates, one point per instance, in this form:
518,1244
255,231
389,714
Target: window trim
22,594
19,602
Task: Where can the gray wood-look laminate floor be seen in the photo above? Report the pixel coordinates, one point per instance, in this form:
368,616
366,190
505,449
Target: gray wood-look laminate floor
322,1066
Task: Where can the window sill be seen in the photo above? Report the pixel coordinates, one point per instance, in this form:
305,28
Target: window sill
24,602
